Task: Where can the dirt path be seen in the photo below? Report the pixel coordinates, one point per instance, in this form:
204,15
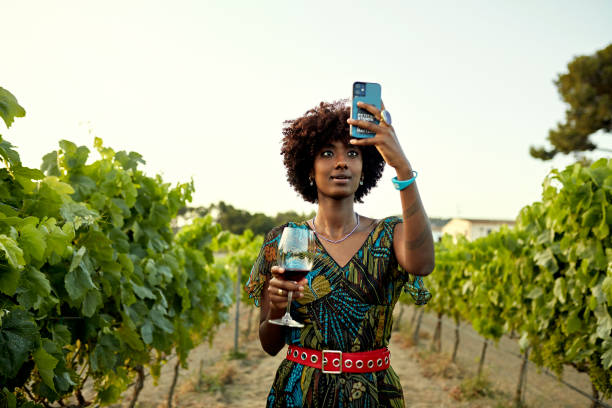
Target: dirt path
428,379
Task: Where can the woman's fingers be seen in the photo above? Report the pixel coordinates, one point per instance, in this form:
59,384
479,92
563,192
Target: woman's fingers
277,270
364,124
366,141
382,133
385,141
279,288
277,273
276,283
370,108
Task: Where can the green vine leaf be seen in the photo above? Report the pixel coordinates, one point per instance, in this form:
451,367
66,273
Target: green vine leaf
13,254
34,289
45,363
9,107
78,282
18,337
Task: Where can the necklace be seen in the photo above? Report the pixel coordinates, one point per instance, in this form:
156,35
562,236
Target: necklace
331,240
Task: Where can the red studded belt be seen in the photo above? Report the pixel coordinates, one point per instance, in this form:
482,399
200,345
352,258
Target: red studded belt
336,362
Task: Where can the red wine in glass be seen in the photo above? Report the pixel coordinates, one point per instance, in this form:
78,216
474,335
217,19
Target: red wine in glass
294,274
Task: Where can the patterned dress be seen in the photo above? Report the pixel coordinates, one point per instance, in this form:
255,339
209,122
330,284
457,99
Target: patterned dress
347,308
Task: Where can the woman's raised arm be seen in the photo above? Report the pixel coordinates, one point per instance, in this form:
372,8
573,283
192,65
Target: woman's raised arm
412,239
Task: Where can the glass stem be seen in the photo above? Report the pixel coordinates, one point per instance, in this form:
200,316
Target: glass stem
289,296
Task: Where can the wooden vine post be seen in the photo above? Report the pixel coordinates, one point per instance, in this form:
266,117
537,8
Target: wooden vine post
174,381
237,320
519,397
482,357
415,336
436,341
414,316
249,324
595,403
201,375
138,386
398,324
456,345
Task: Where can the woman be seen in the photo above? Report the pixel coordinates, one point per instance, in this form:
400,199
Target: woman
362,264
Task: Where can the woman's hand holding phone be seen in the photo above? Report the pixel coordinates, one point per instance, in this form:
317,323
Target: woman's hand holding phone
384,139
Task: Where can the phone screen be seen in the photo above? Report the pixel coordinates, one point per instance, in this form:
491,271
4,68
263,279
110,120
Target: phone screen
367,92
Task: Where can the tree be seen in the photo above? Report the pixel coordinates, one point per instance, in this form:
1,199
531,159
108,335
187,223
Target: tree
236,220
587,88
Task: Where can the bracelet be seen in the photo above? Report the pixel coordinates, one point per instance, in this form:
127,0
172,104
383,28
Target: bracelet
402,184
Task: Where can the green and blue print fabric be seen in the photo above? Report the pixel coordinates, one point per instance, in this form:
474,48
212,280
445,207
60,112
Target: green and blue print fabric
347,308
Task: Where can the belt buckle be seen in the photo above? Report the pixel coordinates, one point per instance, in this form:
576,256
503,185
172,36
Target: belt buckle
338,359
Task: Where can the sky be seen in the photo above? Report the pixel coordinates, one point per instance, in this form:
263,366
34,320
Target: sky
201,89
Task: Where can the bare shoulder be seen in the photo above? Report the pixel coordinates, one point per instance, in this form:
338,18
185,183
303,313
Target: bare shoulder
367,223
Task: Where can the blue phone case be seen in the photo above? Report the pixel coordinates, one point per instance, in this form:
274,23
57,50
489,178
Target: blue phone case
367,92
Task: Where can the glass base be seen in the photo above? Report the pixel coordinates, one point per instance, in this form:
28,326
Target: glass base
286,321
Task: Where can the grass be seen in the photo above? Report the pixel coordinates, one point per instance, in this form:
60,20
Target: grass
405,336
220,376
473,388
438,365
216,382
236,355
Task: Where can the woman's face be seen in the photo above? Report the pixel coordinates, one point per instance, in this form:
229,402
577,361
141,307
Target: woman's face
337,170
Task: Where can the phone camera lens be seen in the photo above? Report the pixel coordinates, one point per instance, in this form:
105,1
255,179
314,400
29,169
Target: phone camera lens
359,89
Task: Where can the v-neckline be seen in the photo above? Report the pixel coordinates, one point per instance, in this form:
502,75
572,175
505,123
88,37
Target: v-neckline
352,256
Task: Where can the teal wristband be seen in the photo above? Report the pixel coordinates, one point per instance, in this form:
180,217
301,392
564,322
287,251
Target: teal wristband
402,184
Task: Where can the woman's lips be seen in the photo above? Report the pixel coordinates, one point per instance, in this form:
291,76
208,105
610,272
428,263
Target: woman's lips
341,179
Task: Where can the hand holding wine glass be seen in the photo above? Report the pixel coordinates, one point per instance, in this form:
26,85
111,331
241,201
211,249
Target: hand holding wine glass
296,251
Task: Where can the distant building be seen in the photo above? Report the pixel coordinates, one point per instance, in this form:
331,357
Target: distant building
436,227
473,228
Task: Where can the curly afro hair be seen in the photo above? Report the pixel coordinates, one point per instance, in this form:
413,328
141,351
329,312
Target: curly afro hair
304,137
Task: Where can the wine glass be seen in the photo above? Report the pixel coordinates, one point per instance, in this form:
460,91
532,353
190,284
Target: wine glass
296,252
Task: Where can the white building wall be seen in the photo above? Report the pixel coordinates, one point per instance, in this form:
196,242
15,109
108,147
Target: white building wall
473,229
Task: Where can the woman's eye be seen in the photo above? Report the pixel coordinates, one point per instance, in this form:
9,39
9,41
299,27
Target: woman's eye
327,153
353,153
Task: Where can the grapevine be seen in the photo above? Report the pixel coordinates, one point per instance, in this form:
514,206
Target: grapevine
93,282
548,280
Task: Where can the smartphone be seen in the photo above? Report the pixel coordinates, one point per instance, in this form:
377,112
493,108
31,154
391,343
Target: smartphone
367,92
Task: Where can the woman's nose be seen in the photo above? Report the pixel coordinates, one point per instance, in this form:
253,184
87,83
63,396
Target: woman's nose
341,164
